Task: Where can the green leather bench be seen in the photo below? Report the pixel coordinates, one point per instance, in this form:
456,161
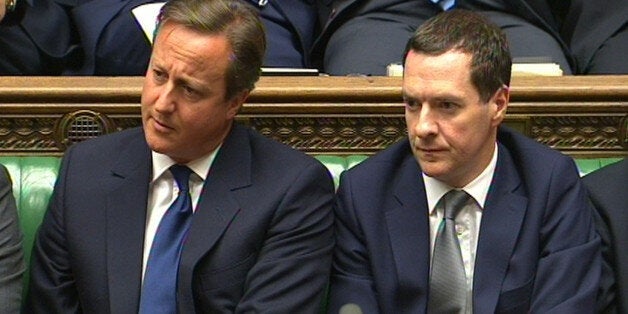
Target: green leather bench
34,178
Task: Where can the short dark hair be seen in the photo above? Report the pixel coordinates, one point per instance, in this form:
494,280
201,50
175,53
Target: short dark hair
238,21
468,32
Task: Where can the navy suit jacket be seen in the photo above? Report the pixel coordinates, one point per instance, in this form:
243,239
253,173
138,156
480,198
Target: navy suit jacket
261,236
607,190
537,252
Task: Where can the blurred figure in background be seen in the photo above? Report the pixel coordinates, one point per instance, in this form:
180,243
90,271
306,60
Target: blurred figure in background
102,37
360,36
597,32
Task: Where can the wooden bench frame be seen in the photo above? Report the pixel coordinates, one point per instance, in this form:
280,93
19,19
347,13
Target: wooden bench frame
583,116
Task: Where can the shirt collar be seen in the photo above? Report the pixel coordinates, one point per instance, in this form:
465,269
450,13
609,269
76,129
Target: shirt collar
477,188
200,166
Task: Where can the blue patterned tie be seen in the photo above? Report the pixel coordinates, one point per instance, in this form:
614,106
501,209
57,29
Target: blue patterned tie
445,4
448,284
159,289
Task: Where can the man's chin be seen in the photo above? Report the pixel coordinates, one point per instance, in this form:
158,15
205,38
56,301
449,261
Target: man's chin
432,168
158,145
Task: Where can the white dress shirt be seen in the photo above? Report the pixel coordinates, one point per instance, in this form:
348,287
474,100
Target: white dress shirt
467,221
163,191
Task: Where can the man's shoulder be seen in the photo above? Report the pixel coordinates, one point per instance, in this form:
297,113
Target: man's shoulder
386,163
538,166
609,182
526,150
615,171
270,150
107,148
110,141
270,161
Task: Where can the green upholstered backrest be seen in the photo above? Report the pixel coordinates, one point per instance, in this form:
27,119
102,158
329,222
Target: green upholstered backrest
337,164
33,180
587,165
34,177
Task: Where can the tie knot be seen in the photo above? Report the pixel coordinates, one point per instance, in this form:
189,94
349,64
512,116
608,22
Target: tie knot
181,174
454,202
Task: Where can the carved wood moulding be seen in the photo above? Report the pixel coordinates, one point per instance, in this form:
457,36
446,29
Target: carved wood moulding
581,116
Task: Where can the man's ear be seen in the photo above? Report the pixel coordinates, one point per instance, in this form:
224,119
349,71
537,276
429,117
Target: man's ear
499,103
235,103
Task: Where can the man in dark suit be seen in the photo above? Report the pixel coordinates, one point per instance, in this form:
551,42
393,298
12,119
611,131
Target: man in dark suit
360,35
597,32
261,234
102,37
607,191
524,240
11,253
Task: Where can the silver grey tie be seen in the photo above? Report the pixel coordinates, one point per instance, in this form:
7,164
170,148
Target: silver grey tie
448,285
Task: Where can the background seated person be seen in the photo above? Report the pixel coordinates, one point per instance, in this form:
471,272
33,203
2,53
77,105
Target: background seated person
360,36
597,32
102,37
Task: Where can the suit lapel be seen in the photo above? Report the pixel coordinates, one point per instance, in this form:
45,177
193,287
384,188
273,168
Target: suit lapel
216,208
502,218
408,227
126,216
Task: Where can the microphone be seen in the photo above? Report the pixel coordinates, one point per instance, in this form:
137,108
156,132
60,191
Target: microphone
350,308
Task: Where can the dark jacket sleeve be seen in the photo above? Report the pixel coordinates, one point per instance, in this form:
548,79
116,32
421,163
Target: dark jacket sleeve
11,254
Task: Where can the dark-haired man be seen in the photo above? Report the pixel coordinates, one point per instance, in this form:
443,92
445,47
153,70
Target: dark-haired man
465,216
192,213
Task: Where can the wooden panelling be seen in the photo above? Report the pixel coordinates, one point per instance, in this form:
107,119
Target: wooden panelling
579,115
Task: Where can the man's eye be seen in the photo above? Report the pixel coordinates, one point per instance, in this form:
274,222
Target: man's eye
448,105
159,76
189,91
412,104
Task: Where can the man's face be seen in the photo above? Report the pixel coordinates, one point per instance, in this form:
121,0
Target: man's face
452,130
184,110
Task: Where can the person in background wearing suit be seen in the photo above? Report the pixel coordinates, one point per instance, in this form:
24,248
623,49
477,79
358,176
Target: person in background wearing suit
36,39
523,240
261,234
291,27
102,37
597,32
360,35
607,191
11,253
